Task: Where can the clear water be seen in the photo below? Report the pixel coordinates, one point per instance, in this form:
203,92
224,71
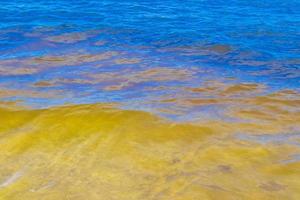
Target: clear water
192,99
244,41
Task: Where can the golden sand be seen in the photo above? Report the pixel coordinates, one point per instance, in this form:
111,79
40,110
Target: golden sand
101,152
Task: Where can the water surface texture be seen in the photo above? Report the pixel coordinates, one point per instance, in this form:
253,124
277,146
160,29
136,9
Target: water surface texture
149,100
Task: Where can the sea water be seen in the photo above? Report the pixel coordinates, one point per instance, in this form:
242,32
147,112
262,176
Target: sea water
147,99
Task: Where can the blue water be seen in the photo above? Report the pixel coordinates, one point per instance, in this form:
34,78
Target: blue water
241,41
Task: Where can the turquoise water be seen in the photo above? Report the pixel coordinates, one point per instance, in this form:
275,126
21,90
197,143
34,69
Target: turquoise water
229,42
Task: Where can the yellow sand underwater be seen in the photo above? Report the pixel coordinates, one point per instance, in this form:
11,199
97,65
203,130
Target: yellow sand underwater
101,152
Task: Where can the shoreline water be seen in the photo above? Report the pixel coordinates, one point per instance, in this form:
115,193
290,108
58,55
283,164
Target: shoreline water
120,100
101,152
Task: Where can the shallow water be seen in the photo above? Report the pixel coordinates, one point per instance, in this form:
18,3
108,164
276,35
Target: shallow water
149,100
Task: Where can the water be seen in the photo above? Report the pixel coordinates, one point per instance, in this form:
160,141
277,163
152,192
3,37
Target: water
248,41
200,93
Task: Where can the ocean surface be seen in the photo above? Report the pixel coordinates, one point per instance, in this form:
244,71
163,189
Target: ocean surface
144,99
